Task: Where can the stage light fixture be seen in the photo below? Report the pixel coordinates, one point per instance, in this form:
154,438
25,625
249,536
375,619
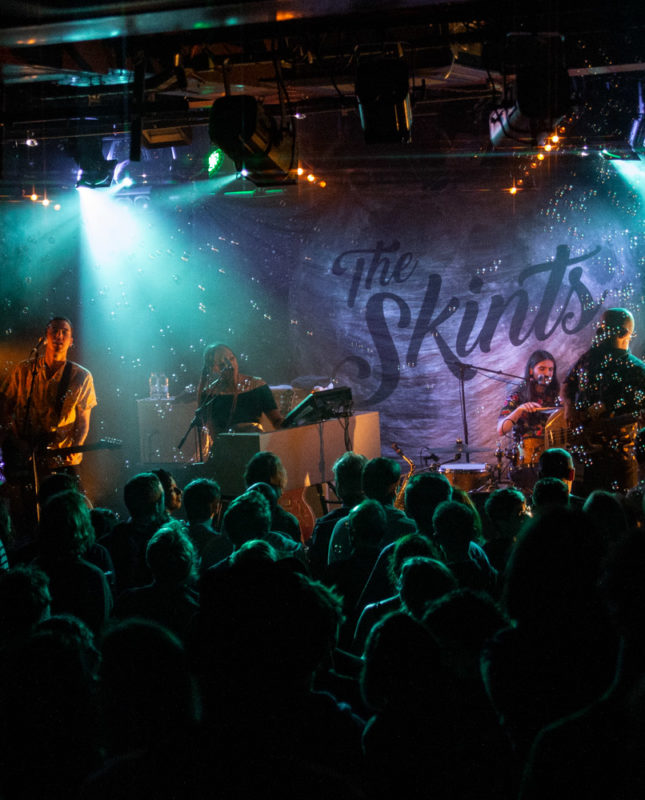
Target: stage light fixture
262,151
94,171
383,95
538,98
215,161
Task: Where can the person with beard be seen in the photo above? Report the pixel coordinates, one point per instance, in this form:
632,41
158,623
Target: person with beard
48,400
540,389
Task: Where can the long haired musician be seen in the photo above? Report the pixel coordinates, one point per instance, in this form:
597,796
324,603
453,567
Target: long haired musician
229,400
520,415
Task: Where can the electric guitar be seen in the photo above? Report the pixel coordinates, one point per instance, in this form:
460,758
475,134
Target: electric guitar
590,431
22,459
21,468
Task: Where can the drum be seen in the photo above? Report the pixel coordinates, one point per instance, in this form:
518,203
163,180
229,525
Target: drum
531,448
466,476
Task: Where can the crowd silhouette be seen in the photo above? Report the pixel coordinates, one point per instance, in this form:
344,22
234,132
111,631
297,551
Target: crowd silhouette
488,646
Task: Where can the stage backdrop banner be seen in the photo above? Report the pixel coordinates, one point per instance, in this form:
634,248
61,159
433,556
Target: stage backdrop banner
415,293
416,298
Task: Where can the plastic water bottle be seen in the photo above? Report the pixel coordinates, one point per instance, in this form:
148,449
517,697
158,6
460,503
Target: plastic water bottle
153,382
164,392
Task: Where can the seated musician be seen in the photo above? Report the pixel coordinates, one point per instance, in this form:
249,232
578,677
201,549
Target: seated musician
227,399
520,415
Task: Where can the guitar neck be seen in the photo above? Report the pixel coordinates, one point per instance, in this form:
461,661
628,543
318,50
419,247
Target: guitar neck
102,444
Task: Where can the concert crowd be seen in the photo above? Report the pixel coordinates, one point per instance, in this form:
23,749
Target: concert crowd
457,646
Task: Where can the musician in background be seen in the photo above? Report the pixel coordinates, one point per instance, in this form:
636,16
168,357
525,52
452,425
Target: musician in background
227,399
604,396
46,402
520,415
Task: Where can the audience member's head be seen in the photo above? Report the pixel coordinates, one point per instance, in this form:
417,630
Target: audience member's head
266,467
267,491
402,663
423,494
505,511
551,576
144,498
549,492
348,472
69,627
606,511
454,529
462,496
254,550
24,600
380,479
65,528
259,618
171,557
423,580
56,483
412,544
461,621
367,525
147,692
247,517
172,492
557,463
104,521
202,500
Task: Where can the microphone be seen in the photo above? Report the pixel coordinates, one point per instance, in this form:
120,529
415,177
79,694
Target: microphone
36,347
544,380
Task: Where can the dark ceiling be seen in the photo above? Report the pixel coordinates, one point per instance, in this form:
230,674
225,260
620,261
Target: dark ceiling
113,68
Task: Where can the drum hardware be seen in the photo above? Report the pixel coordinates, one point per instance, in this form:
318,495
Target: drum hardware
456,452
463,371
495,473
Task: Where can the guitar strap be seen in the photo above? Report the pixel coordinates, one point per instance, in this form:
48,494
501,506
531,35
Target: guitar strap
63,386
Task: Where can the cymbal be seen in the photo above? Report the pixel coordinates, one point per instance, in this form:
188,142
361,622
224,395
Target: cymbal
456,450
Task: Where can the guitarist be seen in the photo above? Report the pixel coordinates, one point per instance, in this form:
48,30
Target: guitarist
45,402
604,396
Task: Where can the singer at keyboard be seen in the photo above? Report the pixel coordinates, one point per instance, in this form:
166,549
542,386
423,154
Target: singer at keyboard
229,400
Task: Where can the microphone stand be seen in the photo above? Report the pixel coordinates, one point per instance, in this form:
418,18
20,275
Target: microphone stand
33,357
197,420
462,391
